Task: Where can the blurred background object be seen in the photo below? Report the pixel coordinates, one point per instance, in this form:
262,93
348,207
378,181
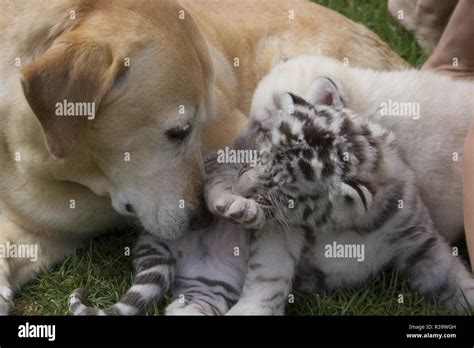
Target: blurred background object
445,27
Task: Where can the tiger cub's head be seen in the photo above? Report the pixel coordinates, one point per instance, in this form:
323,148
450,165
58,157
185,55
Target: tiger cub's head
312,150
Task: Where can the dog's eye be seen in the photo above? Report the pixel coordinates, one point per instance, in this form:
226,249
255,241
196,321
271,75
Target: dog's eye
179,133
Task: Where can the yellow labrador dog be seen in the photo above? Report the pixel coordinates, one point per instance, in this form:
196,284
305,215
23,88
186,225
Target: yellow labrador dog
106,106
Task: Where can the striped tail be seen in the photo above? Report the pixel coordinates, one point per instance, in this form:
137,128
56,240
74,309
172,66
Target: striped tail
154,263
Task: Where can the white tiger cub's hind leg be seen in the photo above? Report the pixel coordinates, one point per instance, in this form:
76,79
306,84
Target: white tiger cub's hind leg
211,270
266,287
433,271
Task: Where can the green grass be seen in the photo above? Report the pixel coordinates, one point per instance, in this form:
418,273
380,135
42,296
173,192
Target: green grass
375,16
103,269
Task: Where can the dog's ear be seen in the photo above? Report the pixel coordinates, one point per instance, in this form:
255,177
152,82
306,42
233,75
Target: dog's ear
74,70
324,91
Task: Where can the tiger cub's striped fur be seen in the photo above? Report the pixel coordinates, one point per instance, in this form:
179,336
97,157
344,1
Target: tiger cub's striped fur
154,263
325,178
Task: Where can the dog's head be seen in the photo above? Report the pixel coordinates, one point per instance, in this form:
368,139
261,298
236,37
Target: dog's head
122,90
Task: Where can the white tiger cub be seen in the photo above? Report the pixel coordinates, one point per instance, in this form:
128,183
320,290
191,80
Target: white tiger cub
326,176
429,113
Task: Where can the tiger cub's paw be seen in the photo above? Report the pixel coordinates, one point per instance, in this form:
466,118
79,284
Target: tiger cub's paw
240,210
6,300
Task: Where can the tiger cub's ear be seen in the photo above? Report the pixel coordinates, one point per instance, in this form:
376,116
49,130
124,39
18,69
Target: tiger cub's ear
287,103
324,91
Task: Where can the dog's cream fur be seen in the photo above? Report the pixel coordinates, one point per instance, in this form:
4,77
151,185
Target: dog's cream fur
65,179
431,143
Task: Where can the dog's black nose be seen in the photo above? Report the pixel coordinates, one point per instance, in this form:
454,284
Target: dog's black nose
129,208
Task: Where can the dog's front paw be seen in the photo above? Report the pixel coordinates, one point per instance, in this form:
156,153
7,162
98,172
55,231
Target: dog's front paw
240,210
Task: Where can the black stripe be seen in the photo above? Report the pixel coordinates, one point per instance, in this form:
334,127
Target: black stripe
356,187
403,234
228,301
214,283
164,246
306,169
365,131
328,168
423,252
387,208
155,261
326,114
346,127
297,100
290,170
152,278
133,299
324,217
408,234
145,247
308,154
254,265
148,252
306,213
187,288
358,149
300,116
264,279
317,137
309,236
285,129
